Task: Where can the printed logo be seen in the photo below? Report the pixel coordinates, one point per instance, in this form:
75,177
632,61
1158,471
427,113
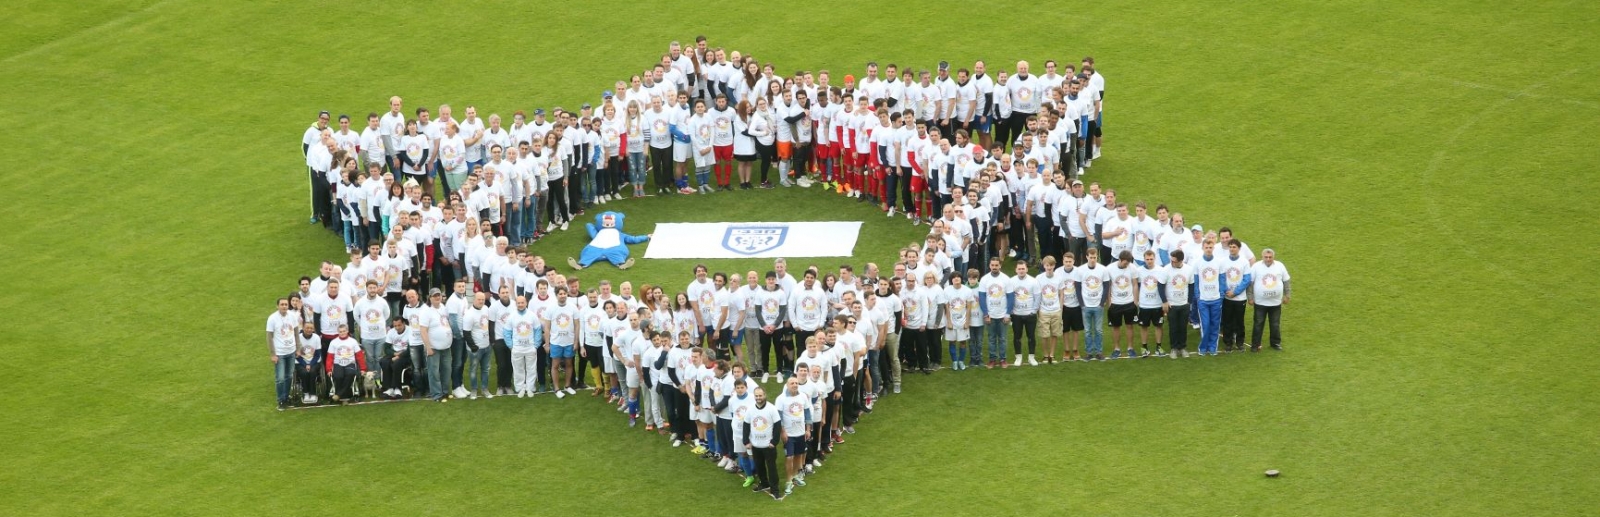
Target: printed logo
754,240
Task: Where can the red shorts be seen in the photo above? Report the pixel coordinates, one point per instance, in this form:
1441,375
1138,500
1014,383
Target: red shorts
918,183
722,152
824,151
860,159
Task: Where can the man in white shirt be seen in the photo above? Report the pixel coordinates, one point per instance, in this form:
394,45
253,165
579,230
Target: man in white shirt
1023,92
283,339
1269,292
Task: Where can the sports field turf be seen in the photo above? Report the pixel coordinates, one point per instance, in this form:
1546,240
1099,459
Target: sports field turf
1427,170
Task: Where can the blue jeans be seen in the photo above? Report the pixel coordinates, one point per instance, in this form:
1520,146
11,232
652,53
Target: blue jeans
374,348
439,367
1094,329
636,169
458,360
513,218
283,374
588,177
530,217
1210,324
995,330
478,369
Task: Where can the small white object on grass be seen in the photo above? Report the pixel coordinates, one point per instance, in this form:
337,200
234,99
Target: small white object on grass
1272,473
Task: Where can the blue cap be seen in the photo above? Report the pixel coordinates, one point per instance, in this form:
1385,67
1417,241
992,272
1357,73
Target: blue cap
538,111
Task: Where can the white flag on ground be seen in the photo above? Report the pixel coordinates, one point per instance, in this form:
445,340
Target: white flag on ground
753,240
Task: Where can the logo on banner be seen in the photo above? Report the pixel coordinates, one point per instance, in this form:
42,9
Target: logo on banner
754,240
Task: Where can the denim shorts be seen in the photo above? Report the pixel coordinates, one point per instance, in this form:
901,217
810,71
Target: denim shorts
561,351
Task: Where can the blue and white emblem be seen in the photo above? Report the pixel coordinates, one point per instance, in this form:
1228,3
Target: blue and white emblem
754,240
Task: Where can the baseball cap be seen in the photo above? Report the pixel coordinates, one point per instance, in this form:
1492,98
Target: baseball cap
587,106
1077,182
435,292
1197,228
538,111
606,94
849,78
944,65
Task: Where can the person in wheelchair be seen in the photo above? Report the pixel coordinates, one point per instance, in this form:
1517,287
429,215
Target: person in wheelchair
396,362
345,364
308,363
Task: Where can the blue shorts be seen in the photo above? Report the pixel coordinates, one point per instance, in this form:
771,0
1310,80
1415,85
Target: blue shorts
982,127
561,351
794,446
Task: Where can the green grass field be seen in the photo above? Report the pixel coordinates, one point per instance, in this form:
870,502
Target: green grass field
1426,170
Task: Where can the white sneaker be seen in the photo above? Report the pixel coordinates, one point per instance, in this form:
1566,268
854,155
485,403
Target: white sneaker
550,228
1018,362
563,226
488,394
676,442
765,377
1011,253
1031,361
460,393
1088,162
561,394
571,391
910,216
890,213
1096,154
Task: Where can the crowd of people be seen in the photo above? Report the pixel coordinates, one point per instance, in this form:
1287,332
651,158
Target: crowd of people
436,295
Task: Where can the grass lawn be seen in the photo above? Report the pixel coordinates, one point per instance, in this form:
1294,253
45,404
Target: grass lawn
1426,170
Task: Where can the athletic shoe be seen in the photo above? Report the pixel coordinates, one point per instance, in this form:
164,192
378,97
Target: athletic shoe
800,480
282,404
561,394
765,377
1096,153
789,489
472,396
750,480
1116,354
460,392
890,213
571,391
1277,347
850,429
563,226
1031,361
700,449
676,442
550,228
897,389
1018,361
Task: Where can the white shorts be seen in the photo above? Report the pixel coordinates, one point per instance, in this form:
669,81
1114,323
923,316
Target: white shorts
956,334
680,152
705,416
633,378
610,365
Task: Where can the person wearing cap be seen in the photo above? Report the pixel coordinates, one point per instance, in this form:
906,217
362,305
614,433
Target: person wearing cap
436,341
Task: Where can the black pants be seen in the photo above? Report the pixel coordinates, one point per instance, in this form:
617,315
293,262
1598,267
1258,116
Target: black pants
790,346
768,154
911,349
503,372
769,342
802,159
931,346
725,436
575,201
1232,322
344,378
593,357
661,162
908,204
851,400
1015,125
616,174
1043,236
394,370
556,209
1177,329
321,198
307,377
766,460
1264,314
1020,324
1079,247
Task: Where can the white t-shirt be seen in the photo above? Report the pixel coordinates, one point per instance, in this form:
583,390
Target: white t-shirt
1092,279
1122,282
283,328
1151,281
1178,281
1266,286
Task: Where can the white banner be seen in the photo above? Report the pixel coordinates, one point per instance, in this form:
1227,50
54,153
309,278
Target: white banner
753,240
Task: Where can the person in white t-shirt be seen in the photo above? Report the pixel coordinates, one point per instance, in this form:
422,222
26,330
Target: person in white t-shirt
283,328
1152,295
1180,292
1269,292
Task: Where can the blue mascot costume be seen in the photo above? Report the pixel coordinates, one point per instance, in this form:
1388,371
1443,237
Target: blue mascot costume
606,241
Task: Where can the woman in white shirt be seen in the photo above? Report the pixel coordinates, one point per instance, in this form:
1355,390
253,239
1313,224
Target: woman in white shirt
556,178
452,158
415,153
764,129
633,128
744,141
